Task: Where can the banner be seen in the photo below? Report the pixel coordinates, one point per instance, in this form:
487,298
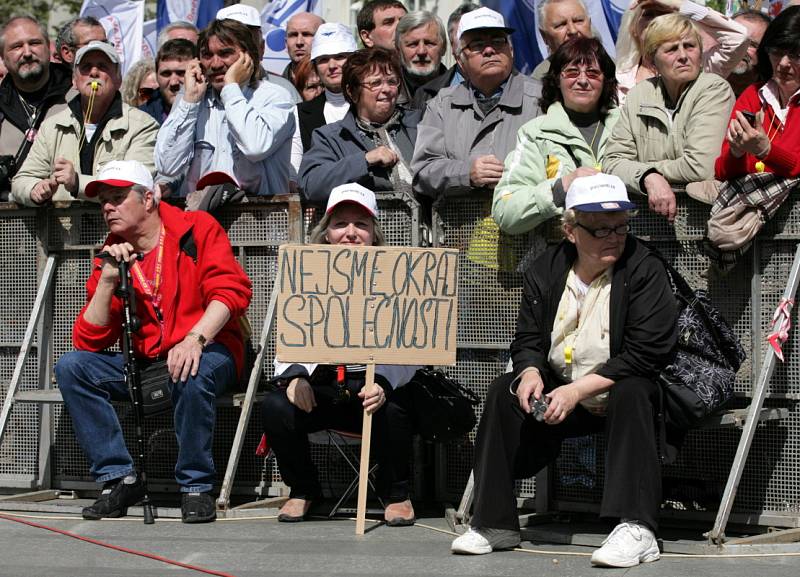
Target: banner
198,12
374,304
124,23
273,26
149,40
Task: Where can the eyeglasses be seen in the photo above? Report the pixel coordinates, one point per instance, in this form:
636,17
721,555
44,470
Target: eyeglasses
146,93
479,44
605,232
375,85
779,53
574,73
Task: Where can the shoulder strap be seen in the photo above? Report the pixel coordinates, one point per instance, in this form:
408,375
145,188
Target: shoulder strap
188,246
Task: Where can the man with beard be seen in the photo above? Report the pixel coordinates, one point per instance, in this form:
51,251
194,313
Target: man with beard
421,42
300,30
171,62
746,71
32,90
95,128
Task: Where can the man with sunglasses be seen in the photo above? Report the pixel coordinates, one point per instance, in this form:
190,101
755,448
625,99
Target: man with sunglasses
468,129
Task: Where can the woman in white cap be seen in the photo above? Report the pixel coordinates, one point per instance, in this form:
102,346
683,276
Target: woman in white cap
311,397
596,325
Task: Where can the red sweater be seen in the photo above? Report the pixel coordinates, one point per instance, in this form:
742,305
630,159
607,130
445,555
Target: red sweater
187,288
783,157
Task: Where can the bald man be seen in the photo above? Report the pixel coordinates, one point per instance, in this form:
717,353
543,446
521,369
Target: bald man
300,30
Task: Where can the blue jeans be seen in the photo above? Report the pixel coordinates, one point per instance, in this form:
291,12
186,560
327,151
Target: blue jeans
90,381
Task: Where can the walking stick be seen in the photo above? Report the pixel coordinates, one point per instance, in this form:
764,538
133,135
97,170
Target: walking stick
131,325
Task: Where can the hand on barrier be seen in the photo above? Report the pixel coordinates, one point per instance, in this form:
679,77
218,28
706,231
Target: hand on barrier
382,156
660,196
486,171
566,181
301,395
43,190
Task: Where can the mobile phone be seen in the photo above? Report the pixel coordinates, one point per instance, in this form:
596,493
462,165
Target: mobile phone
750,116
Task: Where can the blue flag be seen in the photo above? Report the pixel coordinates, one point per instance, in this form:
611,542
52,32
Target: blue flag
198,12
613,10
521,16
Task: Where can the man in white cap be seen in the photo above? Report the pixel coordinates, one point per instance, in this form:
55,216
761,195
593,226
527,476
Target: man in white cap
300,31
332,44
191,293
95,128
469,129
227,118
250,17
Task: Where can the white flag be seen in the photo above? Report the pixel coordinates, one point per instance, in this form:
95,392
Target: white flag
149,39
124,23
273,26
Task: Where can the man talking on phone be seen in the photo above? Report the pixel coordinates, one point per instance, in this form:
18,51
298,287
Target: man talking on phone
227,118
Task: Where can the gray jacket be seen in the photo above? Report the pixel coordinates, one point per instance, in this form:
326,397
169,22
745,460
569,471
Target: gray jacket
454,131
338,156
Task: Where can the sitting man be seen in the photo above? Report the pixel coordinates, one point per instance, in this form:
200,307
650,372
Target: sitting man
189,312
468,130
171,62
95,128
228,119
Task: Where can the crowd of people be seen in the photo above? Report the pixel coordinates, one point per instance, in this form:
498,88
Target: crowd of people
692,99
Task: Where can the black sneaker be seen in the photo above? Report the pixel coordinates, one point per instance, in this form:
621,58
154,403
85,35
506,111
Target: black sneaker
114,500
198,508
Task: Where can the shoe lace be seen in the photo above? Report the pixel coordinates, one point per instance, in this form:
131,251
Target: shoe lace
621,531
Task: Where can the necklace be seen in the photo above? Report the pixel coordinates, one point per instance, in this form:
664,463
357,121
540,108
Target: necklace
597,165
31,113
760,166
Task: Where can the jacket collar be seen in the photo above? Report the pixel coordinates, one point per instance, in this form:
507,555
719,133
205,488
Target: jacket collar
114,111
511,98
656,107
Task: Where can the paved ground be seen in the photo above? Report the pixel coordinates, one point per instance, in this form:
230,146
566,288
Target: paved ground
250,547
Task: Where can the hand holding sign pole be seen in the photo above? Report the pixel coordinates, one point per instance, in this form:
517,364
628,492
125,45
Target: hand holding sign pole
368,305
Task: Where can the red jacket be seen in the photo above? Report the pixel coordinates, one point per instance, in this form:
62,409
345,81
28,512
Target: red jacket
782,159
187,288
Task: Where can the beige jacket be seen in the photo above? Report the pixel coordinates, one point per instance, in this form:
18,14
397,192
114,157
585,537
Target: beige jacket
682,147
131,136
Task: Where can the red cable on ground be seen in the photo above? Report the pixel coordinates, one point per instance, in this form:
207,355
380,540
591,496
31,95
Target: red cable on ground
118,547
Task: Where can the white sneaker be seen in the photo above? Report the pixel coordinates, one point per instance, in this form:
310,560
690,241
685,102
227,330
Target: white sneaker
629,544
484,540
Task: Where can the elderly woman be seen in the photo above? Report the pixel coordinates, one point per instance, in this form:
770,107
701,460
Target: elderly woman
310,398
579,99
306,80
672,125
140,83
769,139
729,44
596,326
374,142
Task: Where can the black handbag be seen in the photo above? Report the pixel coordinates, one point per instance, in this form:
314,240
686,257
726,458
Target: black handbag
154,381
700,379
444,409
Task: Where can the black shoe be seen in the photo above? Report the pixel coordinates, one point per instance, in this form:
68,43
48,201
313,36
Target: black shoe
198,508
115,500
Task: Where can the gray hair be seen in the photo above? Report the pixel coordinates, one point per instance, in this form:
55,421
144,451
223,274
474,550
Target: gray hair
545,3
317,235
22,16
66,34
142,190
177,25
417,19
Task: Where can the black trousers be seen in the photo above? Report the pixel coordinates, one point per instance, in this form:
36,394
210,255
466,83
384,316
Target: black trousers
513,445
287,429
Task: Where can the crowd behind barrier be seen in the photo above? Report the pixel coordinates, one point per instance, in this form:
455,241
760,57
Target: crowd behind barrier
489,293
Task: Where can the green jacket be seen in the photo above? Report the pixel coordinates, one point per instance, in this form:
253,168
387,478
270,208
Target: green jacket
523,199
683,149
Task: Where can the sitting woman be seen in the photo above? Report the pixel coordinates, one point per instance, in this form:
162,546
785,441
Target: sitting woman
729,44
596,325
373,144
579,98
671,127
315,397
768,140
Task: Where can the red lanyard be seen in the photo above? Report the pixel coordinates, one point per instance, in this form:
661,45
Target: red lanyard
153,294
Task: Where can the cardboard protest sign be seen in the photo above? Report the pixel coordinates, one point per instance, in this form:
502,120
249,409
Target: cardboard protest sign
384,305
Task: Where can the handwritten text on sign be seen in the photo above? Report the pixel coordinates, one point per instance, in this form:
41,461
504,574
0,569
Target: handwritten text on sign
391,305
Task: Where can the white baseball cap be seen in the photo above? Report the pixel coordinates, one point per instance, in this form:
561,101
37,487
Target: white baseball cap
480,19
247,15
598,193
332,38
121,173
97,46
355,193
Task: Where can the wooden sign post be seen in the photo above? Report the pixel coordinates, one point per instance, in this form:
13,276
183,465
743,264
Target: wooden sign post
339,304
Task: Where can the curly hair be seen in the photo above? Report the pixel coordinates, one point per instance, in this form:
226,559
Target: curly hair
361,62
580,50
133,79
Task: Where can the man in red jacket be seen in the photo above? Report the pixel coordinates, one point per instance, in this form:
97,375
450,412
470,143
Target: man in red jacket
190,294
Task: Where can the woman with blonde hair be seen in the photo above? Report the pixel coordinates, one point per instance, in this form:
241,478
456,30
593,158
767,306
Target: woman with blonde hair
140,83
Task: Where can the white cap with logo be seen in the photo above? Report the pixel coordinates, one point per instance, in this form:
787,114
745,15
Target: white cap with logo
120,173
247,15
480,19
354,193
332,38
598,193
97,46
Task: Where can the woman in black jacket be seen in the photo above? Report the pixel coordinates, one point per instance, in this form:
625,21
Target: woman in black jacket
596,325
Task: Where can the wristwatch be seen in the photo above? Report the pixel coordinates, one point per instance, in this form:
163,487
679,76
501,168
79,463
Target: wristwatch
200,338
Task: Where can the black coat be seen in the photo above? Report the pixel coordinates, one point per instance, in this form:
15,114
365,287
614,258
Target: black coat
311,115
643,313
